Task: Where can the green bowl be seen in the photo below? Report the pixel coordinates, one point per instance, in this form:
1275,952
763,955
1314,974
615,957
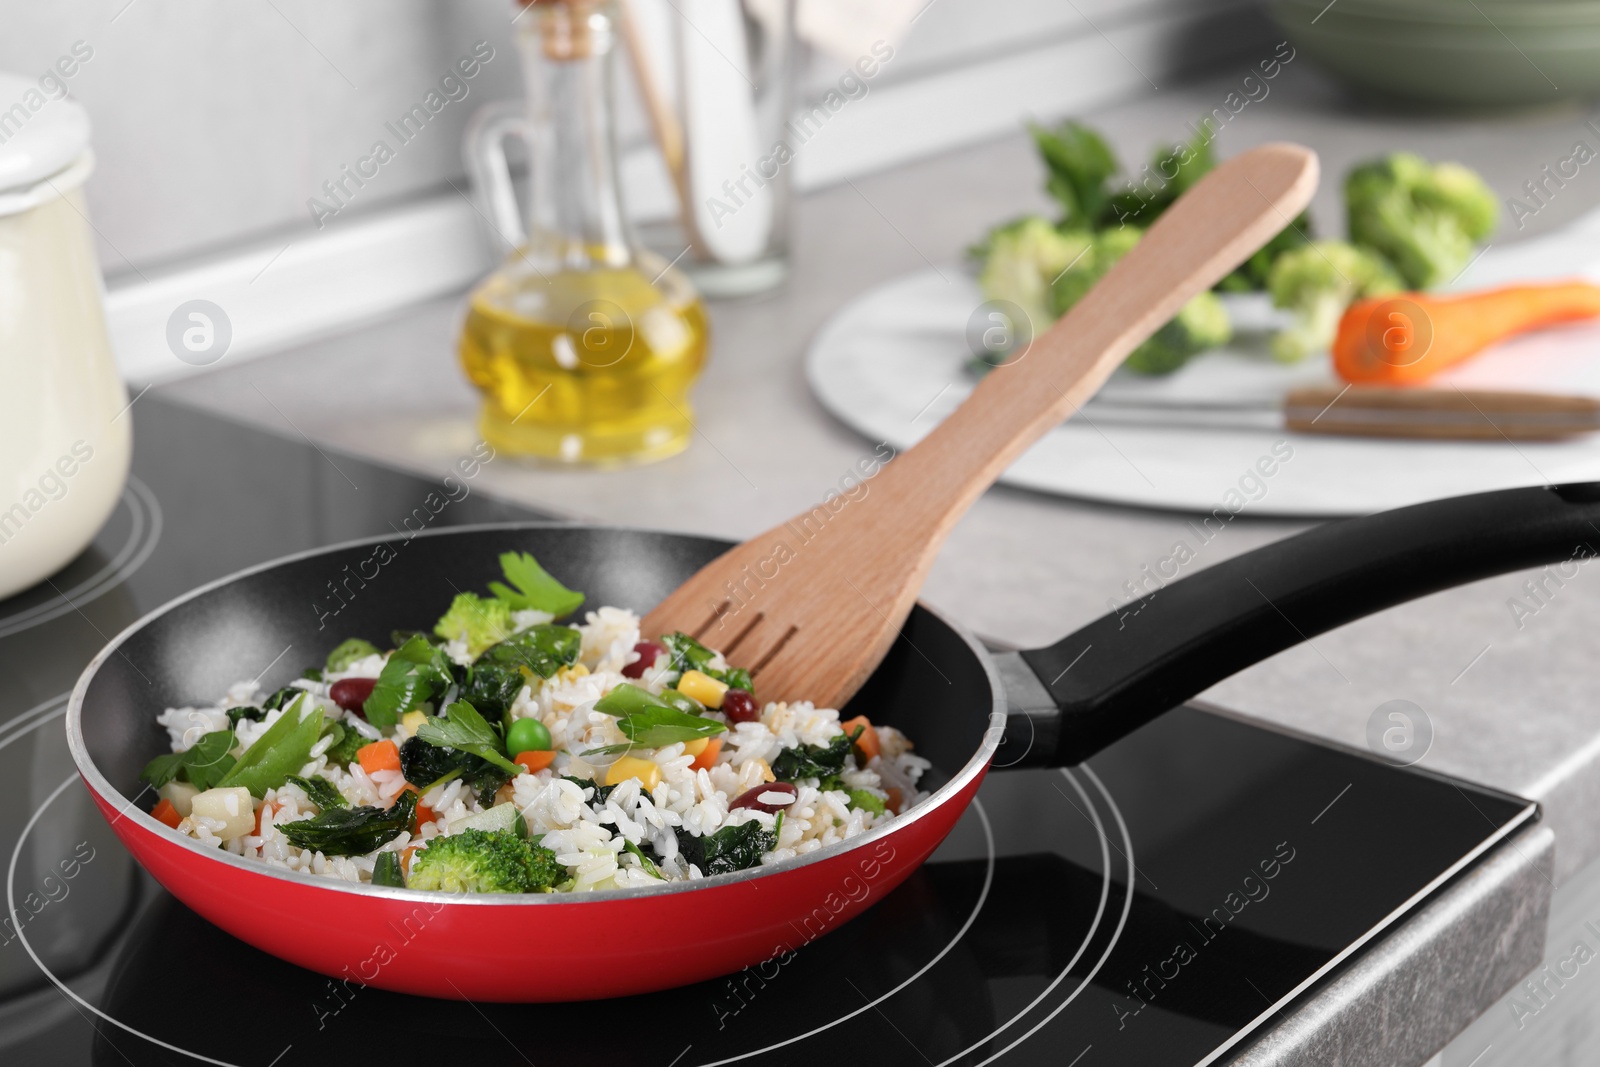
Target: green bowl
1454,53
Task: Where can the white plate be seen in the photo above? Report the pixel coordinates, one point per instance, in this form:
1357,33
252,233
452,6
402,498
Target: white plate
891,366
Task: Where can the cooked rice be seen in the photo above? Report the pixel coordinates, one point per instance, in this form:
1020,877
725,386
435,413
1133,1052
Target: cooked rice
588,836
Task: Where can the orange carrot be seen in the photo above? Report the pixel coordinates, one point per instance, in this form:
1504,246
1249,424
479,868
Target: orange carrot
893,803
164,812
534,760
379,756
424,814
708,755
868,741
1406,338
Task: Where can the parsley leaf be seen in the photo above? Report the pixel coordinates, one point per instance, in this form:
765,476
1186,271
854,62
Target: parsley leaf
464,729
534,587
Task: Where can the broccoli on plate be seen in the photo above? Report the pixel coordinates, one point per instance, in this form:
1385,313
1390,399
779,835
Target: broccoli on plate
1317,282
1200,324
1021,259
1425,218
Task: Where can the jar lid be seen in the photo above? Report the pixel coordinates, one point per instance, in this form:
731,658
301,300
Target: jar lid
40,134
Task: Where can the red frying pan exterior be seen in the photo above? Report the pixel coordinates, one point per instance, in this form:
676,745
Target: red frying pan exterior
490,947
502,947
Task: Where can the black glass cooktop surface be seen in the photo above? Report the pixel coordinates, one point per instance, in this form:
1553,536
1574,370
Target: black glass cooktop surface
1155,906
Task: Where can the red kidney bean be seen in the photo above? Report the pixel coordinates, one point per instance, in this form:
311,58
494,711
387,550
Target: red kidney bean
752,799
351,693
648,651
740,706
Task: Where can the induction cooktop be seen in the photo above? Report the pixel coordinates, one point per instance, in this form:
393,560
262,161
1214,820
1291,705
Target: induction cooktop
1157,905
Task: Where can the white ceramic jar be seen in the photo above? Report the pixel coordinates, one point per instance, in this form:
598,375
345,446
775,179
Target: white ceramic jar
64,438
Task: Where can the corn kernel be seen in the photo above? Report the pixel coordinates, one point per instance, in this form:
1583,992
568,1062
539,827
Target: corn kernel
626,767
704,688
577,670
412,721
697,746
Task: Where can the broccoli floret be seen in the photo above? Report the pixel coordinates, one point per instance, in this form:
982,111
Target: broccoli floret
481,861
479,622
1424,218
1200,324
1023,258
1317,283
1251,275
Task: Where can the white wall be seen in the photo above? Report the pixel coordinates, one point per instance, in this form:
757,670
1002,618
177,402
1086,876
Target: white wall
215,122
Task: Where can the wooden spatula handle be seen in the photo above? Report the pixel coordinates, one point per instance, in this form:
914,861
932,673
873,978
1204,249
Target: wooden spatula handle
812,605
1208,232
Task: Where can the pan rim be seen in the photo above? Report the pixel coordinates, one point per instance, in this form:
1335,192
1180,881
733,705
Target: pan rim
102,787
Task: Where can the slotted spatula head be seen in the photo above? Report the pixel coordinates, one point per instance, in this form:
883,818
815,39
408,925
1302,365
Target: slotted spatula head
812,606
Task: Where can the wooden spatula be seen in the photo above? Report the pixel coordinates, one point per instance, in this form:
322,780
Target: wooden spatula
811,606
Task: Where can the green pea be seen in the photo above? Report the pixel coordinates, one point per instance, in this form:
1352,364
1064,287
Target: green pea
527,735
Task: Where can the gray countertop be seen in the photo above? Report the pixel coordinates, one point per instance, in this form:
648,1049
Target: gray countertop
1509,706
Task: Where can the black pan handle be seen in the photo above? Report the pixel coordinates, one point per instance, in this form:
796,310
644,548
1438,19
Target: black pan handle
1127,667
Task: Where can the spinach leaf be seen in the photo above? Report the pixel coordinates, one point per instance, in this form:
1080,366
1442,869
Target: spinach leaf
813,761
280,752
415,673
543,649
601,792
644,861
352,831
347,652
426,765
732,848
689,654
323,793
386,870
312,674
281,697
202,765
654,727
492,688
463,728
244,713
534,587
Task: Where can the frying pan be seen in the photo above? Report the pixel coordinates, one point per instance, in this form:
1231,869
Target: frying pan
965,708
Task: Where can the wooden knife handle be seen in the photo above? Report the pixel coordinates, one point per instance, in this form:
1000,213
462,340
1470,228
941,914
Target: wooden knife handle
1440,414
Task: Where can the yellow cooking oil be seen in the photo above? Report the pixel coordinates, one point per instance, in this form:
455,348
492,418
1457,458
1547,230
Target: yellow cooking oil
586,366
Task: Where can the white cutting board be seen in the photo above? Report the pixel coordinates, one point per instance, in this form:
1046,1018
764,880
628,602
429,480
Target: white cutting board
890,365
